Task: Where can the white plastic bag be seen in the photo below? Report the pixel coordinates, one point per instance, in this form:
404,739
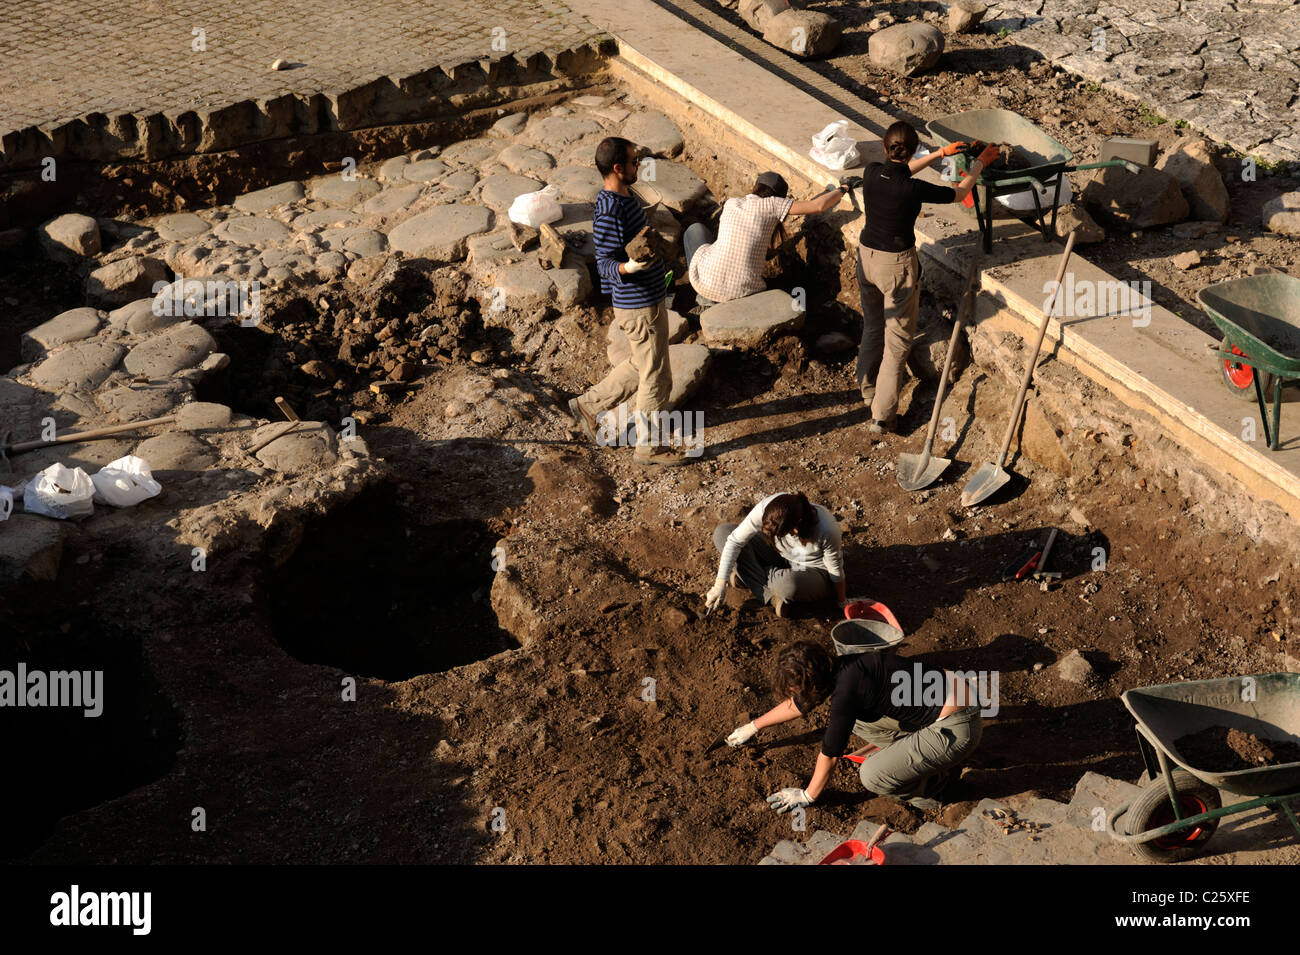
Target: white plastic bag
534,208
60,492
125,482
833,149
6,502
1024,201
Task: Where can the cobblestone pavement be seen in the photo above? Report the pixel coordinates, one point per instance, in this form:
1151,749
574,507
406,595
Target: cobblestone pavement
1229,68
65,58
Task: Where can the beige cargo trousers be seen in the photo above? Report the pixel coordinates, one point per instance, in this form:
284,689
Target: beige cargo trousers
889,286
645,373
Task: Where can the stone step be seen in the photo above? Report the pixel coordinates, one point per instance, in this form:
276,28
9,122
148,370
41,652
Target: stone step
1067,837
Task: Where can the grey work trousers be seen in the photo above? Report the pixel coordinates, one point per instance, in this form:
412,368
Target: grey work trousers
906,760
767,574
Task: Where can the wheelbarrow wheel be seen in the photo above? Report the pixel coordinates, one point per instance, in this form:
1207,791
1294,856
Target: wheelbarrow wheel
1239,379
1152,809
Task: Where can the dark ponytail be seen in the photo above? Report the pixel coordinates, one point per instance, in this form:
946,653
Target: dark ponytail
900,142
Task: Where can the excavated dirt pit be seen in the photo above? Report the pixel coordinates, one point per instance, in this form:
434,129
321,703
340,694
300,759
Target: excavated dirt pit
520,611
409,599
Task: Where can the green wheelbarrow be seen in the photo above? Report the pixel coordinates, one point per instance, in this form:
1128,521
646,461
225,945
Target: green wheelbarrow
1260,319
1048,163
1179,808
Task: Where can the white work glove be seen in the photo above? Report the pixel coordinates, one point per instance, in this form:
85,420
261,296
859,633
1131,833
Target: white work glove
790,798
713,599
635,266
742,734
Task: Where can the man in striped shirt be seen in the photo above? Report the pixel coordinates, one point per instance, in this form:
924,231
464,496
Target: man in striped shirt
640,309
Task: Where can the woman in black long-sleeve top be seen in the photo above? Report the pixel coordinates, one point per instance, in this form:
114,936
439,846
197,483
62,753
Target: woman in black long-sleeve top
889,272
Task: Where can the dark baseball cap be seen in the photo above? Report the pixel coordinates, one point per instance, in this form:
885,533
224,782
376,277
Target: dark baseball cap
774,182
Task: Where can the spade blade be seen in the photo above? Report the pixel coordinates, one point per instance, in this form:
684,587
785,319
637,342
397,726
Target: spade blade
986,482
912,476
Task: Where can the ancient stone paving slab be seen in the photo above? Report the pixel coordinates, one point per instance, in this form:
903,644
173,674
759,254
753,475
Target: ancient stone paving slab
1229,68
145,61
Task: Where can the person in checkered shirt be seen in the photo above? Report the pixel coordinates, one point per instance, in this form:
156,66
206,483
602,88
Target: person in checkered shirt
731,266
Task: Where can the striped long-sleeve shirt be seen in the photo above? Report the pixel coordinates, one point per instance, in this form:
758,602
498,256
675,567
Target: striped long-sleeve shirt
615,222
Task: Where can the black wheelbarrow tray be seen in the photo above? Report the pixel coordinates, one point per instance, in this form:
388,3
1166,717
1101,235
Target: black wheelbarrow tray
1179,808
1048,161
1260,319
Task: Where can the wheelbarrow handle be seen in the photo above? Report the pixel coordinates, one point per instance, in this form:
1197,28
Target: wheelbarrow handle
1130,166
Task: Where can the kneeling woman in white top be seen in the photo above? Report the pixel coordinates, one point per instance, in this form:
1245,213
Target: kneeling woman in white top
786,549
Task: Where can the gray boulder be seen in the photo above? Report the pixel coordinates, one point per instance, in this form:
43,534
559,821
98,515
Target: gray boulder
1281,214
655,131
125,280
964,16
805,33
1189,161
1141,200
69,238
906,48
70,326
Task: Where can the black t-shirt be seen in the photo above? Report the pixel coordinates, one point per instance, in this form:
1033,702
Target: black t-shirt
871,685
893,200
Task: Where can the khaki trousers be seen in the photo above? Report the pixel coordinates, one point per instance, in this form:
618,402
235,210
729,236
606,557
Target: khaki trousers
645,372
905,760
890,289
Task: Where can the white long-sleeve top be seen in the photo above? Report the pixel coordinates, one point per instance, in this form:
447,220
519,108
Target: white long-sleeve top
822,552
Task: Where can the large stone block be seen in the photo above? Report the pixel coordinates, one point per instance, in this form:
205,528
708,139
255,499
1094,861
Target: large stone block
655,131
70,326
261,200
80,366
805,33
69,238
181,346
441,233
752,321
125,280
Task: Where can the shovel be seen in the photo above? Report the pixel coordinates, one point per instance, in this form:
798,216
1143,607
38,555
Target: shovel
990,477
916,471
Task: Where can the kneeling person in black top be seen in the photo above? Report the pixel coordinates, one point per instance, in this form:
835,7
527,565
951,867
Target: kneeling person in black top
920,722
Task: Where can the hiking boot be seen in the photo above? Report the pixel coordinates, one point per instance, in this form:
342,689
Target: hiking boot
781,606
881,427
665,457
583,419
923,802
736,582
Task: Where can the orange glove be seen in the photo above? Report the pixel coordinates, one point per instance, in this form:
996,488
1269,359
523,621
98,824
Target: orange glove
953,149
989,156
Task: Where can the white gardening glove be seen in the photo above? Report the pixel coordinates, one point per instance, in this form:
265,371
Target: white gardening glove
742,734
713,599
635,266
790,798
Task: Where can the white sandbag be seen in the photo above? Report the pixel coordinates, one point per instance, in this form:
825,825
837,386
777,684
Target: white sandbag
125,482
535,208
833,149
65,493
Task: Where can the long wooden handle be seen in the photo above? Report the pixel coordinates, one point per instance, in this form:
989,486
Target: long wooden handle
1033,360
76,437
952,347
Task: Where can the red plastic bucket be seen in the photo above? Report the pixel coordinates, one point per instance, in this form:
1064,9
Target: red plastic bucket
854,852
